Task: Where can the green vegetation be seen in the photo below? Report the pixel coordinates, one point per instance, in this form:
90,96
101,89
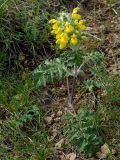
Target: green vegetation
81,130
23,134
59,80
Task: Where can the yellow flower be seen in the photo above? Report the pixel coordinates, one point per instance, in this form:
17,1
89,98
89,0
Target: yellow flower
53,32
58,41
82,21
76,16
62,45
58,36
75,10
55,26
74,39
63,40
59,31
68,27
82,27
53,21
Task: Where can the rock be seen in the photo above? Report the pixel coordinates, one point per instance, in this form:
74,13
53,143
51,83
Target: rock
59,113
66,109
114,151
48,120
105,149
53,115
71,156
104,152
57,119
101,155
54,132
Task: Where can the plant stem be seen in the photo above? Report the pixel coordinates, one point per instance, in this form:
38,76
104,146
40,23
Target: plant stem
69,95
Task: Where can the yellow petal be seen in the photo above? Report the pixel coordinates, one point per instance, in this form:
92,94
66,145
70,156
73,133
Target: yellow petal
82,21
76,16
75,10
59,31
58,36
64,38
74,40
82,27
55,26
53,32
62,45
57,41
69,28
53,21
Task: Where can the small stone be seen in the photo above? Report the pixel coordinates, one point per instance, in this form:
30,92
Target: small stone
105,149
66,109
101,155
102,28
104,152
57,119
53,115
71,156
54,132
62,157
59,113
48,120
114,151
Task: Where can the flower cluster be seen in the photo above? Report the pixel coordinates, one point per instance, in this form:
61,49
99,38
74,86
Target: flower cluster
69,29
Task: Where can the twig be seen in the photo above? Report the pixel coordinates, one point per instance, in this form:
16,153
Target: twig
73,89
69,95
94,36
78,70
70,104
